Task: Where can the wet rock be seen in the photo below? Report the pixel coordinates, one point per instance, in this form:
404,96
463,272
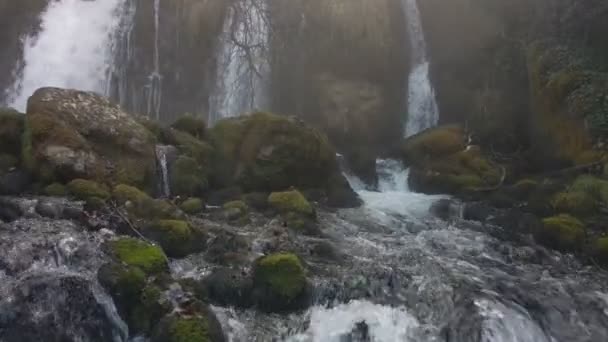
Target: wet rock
14,182
228,287
441,208
56,307
73,134
177,238
478,211
257,200
280,284
9,210
219,197
199,324
227,248
49,209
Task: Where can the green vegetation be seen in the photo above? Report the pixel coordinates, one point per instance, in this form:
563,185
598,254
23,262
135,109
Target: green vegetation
562,232
56,190
433,143
279,280
137,253
188,123
177,238
192,206
123,193
85,189
184,329
290,201
187,177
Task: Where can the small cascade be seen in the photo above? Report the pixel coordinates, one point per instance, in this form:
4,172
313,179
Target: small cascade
155,79
163,153
122,52
422,107
242,62
72,50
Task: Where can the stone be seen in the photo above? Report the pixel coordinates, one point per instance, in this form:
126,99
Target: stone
72,134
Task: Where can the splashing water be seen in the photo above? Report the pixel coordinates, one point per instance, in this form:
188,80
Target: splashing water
161,157
243,66
422,107
155,79
72,50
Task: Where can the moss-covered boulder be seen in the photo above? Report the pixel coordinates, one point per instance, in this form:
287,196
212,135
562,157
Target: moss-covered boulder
235,211
432,144
56,190
575,202
177,238
200,326
266,152
187,177
192,206
458,173
136,253
279,283
599,250
562,232
290,202
71,134
85,189
141,205
195,126
11,130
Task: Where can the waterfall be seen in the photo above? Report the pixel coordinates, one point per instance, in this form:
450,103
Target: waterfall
162,153
422,107
154,86
72,50
242,62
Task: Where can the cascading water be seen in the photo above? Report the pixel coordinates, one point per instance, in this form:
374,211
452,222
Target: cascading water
422,107
162,155
155,79
72,50
242,63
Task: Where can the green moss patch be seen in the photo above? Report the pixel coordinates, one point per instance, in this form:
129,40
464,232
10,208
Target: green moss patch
192,206
177,238
290,201
191,124
137,253
562,232
84,189
279,281
56,190
187,177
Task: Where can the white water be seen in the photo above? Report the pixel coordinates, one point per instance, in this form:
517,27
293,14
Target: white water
385,324
422,107
161,156
243,66
72,50
155,79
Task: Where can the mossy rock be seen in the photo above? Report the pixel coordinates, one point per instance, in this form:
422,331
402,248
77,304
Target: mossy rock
123,193
599,250
562,232
85,189
133,252
124,283
595,187
522,189
56,190
199,327
192,125
187,177
459,173
11,130
574,202
145,314
177,238
192,206
433,143
266,152
189,145
236,212
256,200
290,202
279,283
71,134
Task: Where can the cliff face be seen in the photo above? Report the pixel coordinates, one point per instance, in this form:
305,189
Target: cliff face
186,38
522,74
342,65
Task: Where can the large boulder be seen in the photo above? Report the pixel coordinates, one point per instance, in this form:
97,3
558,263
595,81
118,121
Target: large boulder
73,134
441,163
267,152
